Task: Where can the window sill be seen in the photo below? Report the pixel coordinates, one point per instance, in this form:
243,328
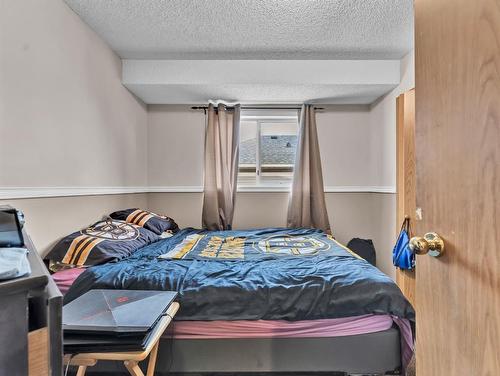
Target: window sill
264,188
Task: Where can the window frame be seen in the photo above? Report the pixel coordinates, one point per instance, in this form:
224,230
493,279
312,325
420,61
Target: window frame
262,186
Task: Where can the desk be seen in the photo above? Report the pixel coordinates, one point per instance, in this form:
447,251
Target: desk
30,321
129,358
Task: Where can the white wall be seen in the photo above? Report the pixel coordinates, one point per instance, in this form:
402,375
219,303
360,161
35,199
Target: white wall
383,126
344,140
65,118
176,143
176,137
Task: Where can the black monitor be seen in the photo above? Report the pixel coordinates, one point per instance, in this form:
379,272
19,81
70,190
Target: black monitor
10,228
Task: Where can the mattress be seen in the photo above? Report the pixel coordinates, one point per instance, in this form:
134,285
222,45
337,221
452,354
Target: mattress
364,354
323,328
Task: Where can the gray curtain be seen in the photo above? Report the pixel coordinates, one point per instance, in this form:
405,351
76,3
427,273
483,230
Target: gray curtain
221,166
307,207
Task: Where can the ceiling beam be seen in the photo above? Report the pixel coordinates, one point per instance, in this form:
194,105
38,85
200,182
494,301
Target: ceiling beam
260,81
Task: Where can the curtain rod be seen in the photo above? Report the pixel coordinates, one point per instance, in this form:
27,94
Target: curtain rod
258,108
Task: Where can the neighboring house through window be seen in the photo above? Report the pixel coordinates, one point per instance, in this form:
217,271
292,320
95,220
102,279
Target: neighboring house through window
268,140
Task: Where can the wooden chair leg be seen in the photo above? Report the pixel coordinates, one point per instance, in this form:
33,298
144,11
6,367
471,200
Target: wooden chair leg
133,368
152,360
81,371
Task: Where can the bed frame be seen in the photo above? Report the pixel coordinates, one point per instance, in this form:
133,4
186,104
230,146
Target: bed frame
363,354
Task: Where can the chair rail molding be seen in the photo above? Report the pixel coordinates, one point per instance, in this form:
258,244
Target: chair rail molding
279,188
12,193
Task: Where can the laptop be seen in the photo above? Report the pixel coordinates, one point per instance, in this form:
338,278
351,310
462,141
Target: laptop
116,312
82,343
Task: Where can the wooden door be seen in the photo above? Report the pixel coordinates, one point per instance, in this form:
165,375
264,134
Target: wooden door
405,180
457,46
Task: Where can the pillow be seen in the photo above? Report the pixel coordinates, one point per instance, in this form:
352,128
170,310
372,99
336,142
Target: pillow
150,221
102,242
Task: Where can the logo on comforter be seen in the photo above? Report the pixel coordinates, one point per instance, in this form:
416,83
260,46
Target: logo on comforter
203,246
294,245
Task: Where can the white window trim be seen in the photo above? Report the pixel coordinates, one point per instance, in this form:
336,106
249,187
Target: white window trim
270,119
263,186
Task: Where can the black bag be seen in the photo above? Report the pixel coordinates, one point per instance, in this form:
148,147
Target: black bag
363,248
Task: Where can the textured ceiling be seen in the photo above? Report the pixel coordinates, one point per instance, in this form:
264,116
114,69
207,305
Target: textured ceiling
252,29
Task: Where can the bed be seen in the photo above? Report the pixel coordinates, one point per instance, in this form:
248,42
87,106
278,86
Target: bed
267,300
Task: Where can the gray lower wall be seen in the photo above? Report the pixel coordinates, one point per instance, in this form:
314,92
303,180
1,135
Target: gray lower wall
364,215
49,219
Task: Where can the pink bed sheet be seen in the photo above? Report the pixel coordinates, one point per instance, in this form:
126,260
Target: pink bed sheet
281,328
274,328
65,278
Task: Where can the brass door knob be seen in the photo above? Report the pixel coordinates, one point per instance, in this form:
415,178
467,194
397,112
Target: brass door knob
431,243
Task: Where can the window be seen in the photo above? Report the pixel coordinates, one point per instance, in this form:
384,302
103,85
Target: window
268,141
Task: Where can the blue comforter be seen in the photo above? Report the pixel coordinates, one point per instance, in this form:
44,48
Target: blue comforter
270,274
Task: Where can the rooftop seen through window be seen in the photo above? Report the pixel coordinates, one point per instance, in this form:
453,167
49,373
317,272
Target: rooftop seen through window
268,141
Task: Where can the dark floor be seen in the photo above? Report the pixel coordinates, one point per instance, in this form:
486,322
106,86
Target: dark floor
410,371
